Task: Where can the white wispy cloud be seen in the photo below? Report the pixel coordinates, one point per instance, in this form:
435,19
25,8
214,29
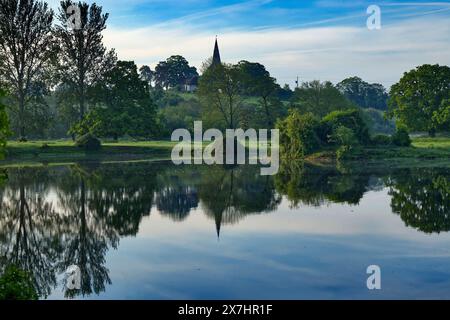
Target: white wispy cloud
326,53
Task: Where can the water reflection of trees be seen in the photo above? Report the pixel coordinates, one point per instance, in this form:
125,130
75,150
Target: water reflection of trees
30,232
316,185
52,218
421,198
229,194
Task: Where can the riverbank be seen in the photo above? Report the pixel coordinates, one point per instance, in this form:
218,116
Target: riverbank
65,151
423,148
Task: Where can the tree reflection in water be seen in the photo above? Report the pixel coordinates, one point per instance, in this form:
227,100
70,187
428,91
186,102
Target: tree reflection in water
55,217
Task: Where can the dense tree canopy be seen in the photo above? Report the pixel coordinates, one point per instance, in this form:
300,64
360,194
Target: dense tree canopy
123,105
173,72
363,94
319,98
420,100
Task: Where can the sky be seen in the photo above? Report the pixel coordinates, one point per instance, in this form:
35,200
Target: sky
312,40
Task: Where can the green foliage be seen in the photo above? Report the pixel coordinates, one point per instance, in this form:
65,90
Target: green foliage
401,137
124,106
351,119
345,138
257,82
27,51
181,115
363,94
173,72
16,284
418,99
220,92
82,55
319,98
442,116
88,142
298,135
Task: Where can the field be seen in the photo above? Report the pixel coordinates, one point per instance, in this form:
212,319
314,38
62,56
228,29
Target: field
64,151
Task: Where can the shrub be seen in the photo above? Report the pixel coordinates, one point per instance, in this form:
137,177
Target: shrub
381,140
16,284
88,142
298,135
401,137
351,119
346,140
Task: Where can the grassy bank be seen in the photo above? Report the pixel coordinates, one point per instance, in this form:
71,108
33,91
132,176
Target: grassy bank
65,151
422,149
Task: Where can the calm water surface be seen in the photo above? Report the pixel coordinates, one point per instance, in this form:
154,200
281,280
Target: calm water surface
157,231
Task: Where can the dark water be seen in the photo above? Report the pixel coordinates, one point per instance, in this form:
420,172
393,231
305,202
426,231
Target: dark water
156,231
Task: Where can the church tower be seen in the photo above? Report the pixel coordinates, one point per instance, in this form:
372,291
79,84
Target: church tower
216,56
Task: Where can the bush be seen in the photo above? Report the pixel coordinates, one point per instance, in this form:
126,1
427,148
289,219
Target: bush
88,142
16,284
346,140
401,138
298,135
351,119
381,140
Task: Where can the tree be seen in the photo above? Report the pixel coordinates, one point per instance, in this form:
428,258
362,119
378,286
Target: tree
258,82
83,59
123,105
174,72
351,119
319,98
220,92
363,94
420,197
4,125
146,74
418,99
26,50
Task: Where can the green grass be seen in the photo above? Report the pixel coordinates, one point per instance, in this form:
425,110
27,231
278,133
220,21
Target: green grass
434,143
422,150
65,150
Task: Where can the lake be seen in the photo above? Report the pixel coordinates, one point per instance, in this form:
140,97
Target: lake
153,230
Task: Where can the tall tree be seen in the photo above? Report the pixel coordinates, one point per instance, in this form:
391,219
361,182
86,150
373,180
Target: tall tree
420,99
83,58
26,49
4,124
319,98
220,91
123,105
363,94
258,82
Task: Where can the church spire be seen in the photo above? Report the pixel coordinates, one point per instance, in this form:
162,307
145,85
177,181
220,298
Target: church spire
218,220
216,56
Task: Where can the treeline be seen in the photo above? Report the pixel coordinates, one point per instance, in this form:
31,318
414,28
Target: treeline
59,81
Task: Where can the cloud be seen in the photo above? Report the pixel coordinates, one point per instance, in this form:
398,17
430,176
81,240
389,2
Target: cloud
326,53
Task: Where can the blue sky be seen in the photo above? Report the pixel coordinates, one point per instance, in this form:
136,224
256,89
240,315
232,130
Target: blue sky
323,39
